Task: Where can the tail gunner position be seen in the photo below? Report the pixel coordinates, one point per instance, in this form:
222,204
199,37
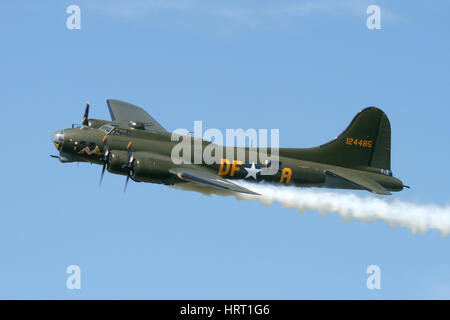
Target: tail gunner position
135,145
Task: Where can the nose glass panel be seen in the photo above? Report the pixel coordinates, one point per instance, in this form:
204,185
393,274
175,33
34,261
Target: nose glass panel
58,139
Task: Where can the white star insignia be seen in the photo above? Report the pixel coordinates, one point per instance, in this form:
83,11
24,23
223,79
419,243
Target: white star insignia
252,171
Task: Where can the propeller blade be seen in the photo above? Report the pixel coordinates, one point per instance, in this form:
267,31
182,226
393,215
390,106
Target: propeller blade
105,148
86,114
129,164
103,173
105,158
126,183
130,152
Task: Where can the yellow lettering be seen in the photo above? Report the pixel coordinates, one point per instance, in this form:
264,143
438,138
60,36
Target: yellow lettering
235,167
286,174
222,171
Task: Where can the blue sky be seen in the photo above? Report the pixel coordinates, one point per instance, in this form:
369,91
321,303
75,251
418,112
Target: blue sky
304,67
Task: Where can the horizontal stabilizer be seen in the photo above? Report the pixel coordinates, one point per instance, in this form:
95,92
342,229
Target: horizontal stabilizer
358,181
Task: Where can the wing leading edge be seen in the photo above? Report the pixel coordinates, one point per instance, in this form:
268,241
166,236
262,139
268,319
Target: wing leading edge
205,177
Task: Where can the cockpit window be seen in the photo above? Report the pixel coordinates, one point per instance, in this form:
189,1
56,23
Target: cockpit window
106,128
121,132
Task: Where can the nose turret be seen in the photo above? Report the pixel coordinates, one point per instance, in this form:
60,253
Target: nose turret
58,139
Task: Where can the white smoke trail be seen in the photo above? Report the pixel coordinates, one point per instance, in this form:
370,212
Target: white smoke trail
397,213
416,217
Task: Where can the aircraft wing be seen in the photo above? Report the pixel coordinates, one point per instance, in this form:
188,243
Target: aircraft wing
206,177
359,181
124,112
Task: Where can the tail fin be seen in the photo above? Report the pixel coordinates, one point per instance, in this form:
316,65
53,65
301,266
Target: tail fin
366,142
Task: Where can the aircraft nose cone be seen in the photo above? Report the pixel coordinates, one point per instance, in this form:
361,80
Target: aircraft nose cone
58,138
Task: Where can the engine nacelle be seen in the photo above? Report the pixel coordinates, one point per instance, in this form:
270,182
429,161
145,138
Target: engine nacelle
148,169
116,161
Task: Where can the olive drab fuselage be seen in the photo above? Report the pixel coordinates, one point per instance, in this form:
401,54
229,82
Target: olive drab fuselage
152,151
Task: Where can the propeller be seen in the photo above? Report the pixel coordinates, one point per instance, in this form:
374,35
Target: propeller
105,157
86,114
130,164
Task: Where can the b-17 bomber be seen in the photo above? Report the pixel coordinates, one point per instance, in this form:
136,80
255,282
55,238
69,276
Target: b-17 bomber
135,145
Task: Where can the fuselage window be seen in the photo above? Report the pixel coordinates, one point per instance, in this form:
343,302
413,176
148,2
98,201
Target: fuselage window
106,129
121,132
